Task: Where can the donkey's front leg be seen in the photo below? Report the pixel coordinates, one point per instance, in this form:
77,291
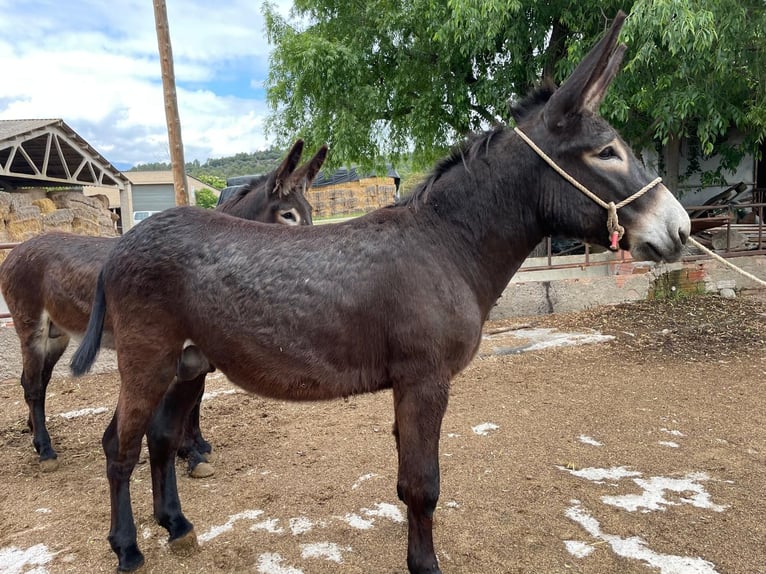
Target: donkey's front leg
419,409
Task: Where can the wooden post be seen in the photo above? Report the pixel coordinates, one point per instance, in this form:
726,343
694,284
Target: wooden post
171,104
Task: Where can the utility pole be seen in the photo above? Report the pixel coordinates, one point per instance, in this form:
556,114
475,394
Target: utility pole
171,103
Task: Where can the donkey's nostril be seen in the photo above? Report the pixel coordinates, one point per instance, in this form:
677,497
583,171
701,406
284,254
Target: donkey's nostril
683,233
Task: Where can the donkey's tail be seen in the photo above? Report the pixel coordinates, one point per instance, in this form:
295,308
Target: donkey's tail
86,353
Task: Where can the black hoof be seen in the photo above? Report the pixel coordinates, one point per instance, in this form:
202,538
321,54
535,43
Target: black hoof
130,560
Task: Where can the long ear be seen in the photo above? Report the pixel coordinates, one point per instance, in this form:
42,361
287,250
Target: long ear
587,85
280,175
310,169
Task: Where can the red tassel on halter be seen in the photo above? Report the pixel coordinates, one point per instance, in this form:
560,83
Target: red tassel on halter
615,245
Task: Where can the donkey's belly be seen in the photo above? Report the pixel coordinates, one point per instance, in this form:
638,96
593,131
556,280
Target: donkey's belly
303,382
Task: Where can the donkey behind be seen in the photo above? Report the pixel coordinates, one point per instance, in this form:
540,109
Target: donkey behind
48,283
395,299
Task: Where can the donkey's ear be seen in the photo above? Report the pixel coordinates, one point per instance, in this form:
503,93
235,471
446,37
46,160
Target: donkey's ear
586,86
309,170
280,175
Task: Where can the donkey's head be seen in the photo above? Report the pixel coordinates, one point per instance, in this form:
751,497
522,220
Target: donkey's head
287,186
565,125
278,197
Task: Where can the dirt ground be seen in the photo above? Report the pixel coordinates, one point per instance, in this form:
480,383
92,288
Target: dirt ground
644,453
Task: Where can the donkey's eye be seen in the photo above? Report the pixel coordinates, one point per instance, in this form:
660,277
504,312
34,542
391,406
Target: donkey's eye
608,153
288,215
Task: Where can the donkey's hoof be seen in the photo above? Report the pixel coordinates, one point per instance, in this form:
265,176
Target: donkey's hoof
49,465
185,545
202,470
209,456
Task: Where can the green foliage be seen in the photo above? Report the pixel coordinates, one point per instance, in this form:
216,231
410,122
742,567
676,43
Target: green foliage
694,69
216,181
205,198
375,80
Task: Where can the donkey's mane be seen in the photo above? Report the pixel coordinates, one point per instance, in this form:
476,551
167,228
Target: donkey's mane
464,152
532,102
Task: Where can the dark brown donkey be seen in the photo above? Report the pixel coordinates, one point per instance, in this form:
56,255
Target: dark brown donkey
395,299
48,283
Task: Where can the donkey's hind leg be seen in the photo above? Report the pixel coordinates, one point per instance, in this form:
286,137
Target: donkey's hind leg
165,434
40,355
419,410
143,384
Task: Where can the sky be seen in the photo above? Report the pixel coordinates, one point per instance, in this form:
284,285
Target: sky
95,64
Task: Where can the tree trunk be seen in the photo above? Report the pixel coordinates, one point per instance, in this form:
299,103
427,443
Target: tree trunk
171,103
672,163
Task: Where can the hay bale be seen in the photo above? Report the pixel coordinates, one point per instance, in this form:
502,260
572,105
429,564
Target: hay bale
24,223
20,201
59,220
71,199
103,199
5,204
45,205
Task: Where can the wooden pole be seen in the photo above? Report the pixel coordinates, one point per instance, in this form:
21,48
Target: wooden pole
171,103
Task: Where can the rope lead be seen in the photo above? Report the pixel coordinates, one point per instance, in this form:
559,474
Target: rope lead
616,231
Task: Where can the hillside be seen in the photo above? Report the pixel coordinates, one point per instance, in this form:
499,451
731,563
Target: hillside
239,164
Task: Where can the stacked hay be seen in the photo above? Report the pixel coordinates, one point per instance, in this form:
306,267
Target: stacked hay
89,214
24,219
25,214
352,198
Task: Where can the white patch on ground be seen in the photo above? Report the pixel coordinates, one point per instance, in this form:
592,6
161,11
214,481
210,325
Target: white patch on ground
214,394
229,524
635,548
578,548
548,338
30,561
43,510
362,479
452,504
146,533
327,550
300,525
270,525
599,475
585,439
669,444
356,521
385,510
453,435
83,412
271,563
484,428
672,432
653,497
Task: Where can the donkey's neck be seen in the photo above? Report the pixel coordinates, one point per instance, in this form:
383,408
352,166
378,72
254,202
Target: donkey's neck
490,214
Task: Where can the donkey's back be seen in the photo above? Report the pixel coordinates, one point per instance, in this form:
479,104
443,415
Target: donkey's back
46,279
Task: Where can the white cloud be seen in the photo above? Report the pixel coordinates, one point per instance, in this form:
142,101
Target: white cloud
95,65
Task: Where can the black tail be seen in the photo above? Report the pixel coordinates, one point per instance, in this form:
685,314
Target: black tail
86,353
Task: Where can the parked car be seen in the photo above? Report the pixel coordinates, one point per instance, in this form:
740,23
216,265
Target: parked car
141,215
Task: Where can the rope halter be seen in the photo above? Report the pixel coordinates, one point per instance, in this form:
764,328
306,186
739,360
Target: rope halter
616,231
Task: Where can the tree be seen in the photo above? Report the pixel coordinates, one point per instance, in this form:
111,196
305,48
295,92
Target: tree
205,198
376,80
695,71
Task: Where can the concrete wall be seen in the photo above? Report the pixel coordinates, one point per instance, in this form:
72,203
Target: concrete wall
575,289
